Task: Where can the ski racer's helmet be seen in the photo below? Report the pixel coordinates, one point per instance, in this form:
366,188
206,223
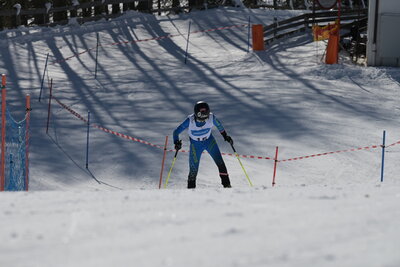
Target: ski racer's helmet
201,111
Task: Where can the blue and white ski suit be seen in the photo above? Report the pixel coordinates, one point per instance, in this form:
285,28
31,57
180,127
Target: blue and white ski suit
202,139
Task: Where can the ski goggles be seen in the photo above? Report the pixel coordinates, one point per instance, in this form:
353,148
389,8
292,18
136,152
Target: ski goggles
202,115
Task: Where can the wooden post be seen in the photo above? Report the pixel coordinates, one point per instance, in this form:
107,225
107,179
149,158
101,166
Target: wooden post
17,14
306,22
17,20
313,11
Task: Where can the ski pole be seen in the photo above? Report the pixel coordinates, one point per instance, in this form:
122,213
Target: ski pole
163,160
237,156
170,170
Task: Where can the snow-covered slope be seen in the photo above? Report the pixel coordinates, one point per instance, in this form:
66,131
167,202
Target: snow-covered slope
329,210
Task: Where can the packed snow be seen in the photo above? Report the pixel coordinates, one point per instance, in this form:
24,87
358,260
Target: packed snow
324,210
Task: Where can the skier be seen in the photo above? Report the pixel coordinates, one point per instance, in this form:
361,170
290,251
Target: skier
199,127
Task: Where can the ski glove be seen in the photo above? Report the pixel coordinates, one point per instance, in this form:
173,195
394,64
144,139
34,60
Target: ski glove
178,145
227,138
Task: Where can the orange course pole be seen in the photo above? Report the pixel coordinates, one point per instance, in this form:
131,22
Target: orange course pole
332,50
3,132
28,117
258,37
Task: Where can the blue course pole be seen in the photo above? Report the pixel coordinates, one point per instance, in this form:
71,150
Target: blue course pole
87,141
248,37
383,155
44,72
97,53
187,44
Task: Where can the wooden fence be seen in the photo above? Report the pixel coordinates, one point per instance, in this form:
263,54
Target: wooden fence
87,11
279,29
91,10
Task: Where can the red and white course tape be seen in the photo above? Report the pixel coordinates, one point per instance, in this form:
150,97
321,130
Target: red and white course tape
76,114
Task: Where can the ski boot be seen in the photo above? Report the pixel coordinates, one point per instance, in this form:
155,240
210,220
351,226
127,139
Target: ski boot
226,183
191,184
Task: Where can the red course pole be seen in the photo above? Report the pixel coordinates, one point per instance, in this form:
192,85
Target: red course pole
28,117
163,160
3,131
339,18
276,162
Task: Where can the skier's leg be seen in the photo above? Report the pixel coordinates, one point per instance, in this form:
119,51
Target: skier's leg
215,153
194,160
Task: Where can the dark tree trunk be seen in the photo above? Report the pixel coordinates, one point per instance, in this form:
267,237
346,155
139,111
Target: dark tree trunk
99,10
176,4
194,4
86,12
63,15
116,9
144,5
40,18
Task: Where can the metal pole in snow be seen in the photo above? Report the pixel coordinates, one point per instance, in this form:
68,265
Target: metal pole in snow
187,44
44,72
3,132
248,37
87,141
49,108
276,162
11,185
383,155
97,53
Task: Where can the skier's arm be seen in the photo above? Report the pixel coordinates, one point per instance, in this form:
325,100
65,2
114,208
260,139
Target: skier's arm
218,124
180,129
221,129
